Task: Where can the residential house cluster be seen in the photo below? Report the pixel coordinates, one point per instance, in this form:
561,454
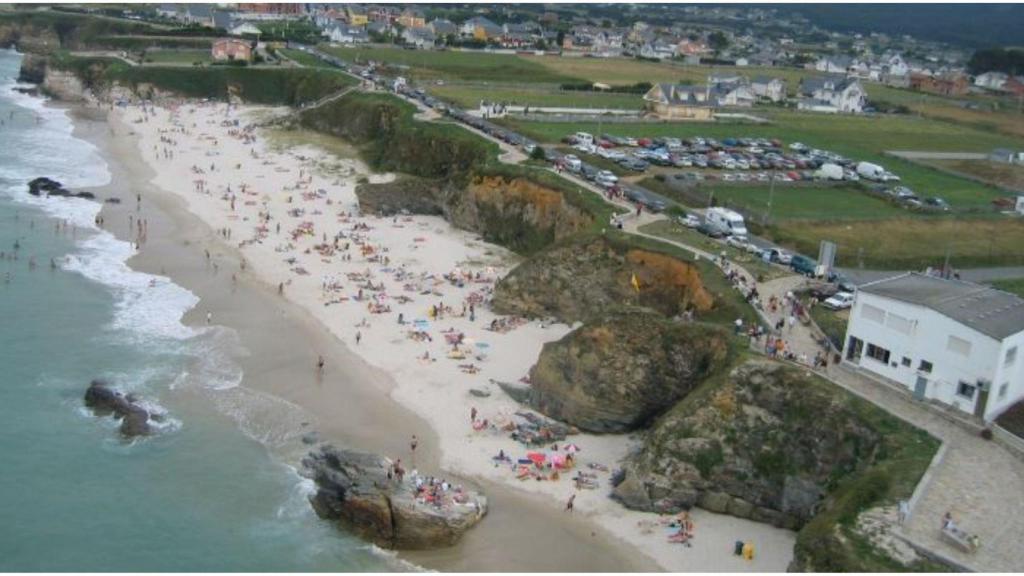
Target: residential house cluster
698,102
832,93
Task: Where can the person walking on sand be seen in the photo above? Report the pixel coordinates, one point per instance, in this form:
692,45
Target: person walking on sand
472,414
569,505
359,336
209,317
320,364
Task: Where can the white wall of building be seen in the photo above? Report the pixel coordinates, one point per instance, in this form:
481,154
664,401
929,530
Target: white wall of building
1008,383
956,352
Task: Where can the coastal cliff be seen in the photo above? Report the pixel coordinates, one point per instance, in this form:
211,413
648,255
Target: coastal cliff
456,175
357,490
517,213
620,372
574,280
773,443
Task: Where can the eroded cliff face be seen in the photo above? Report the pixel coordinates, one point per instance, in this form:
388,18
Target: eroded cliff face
64,85
517,213
618,373
767,444
29,39
575,280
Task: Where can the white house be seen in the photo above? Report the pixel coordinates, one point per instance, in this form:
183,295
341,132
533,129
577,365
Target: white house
767,88
951,342
991,80
244,28
341,34
832,94
833,64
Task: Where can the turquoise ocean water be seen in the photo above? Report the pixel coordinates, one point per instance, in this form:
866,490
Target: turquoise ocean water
205,494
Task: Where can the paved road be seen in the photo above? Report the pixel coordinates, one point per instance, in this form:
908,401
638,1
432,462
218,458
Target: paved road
858,276
920,155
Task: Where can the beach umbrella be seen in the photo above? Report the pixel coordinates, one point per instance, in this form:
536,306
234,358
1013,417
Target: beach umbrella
536,457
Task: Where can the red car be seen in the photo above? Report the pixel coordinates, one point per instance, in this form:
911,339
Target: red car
643,142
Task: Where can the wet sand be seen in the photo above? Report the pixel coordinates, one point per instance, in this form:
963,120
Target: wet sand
349,404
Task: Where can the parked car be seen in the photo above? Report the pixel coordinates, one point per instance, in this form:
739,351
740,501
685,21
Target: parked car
709,230
737,242
803,265
840,301
689,220
572,163
779,256
634,164
937,202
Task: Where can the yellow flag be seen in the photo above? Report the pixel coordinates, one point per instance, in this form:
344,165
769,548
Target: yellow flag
635,282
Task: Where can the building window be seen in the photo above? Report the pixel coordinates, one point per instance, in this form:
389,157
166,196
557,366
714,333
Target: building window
925,366
878,353
906,361
1011,356
965,390
958,346
1002,390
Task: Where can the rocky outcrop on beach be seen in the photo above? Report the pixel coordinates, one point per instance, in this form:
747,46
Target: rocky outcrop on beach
513,212
105,401
618,373
574,280
33,69
767,444
455,175
354,488
44,186
26,37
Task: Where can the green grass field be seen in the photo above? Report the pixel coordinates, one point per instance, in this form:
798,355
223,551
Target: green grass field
430,64
303,58
469,96
1013,285
177,56
804,202
857,137
909,244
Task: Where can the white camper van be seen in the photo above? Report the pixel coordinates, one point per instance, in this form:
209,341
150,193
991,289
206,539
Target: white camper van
728,221
829,172
584,138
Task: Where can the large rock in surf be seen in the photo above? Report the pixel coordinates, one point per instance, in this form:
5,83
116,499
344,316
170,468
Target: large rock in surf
105,401
354,489
44,186
622,370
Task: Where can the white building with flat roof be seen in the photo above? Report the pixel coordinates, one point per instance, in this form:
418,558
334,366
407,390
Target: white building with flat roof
952,342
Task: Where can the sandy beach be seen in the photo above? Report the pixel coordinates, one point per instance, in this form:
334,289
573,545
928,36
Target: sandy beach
270,238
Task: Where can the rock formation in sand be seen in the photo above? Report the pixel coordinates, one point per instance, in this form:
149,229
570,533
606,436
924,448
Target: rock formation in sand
354,488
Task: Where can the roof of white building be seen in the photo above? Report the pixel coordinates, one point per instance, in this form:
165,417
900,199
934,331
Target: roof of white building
992,312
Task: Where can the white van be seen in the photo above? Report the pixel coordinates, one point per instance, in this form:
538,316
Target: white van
584,138
728,221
